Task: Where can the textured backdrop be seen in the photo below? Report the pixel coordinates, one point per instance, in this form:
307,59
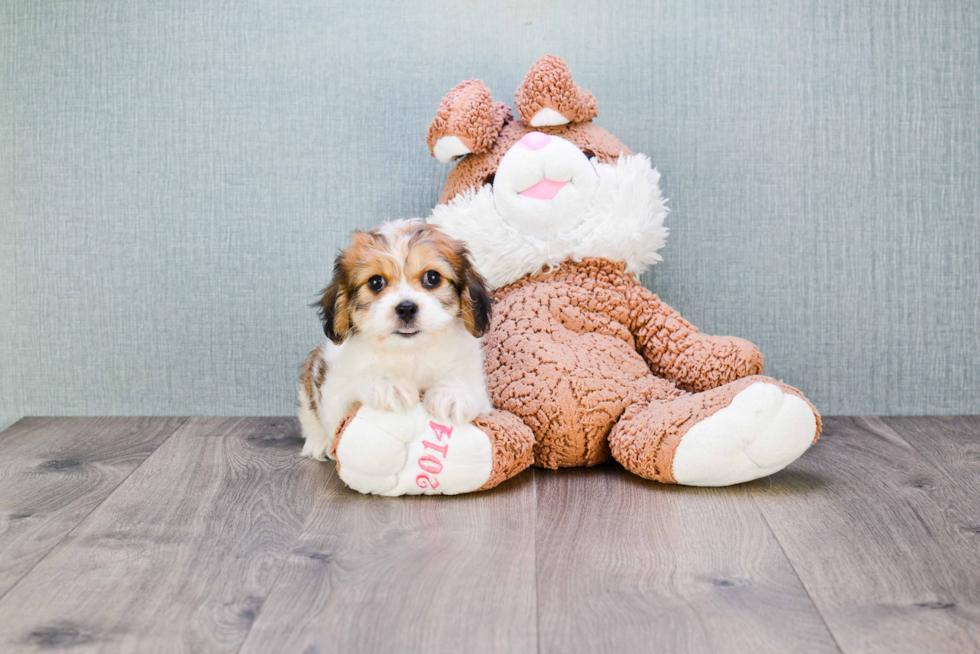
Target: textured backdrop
177,176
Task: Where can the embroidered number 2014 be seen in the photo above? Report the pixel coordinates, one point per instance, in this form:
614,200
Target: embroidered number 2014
430,462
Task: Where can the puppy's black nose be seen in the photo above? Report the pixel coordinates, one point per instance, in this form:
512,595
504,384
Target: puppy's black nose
406,310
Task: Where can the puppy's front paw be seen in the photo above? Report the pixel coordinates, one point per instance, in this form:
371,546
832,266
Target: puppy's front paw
392,395
316,449
455,405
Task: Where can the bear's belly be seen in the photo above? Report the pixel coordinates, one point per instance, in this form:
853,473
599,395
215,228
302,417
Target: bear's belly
569,387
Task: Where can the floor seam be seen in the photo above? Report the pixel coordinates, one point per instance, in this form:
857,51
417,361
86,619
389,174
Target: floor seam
537,608
950,477
285,560
183,421
796,574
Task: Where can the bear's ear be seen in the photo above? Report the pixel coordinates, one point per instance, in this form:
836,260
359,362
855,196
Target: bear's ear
548,96
468,121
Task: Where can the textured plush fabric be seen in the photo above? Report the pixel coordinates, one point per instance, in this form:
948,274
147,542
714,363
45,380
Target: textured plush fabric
469,113
510,444
664,424
627,200
340,432
549,85
175,179
570,351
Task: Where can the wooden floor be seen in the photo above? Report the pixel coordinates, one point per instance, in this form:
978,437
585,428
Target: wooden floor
212,535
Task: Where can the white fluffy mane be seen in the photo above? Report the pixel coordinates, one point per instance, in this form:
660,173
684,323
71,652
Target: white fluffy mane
625,223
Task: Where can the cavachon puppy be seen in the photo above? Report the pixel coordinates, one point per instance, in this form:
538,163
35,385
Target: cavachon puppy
403,317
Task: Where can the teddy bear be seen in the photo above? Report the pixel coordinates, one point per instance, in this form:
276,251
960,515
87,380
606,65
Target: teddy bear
583,363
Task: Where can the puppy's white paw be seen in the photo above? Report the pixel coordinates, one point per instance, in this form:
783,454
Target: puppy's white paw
455,405
318,441
392,395
316,449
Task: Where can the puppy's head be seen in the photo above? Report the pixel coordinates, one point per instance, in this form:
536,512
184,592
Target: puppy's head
400,282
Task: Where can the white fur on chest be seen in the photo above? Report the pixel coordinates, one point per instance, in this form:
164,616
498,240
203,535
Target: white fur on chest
451,358
435,357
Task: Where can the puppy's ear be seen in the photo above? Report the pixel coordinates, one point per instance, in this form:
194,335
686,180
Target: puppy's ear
334,307
474,299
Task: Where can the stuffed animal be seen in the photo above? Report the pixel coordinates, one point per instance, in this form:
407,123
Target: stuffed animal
583,363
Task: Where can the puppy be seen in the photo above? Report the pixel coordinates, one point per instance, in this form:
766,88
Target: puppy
403,316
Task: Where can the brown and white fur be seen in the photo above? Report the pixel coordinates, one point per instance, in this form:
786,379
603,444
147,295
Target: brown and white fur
403,317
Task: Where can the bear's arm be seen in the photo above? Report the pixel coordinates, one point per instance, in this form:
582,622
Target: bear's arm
676,350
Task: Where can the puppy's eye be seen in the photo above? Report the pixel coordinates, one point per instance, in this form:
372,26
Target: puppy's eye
431,279
377,284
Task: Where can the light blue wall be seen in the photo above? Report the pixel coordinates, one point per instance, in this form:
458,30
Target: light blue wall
177,176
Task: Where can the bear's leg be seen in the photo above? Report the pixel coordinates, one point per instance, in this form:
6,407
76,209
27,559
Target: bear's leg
410,453
737,432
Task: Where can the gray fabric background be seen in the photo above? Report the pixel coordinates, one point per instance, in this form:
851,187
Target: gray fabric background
177,176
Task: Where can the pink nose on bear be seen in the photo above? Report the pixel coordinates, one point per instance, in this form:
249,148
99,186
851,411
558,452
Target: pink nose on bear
535,140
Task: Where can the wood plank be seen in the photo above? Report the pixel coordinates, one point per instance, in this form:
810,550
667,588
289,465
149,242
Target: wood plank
627,565
951,443
54,471
182,554
882,540
410,574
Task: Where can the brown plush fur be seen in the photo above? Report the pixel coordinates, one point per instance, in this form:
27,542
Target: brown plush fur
469,113
549,85
646,437
512,443
570,352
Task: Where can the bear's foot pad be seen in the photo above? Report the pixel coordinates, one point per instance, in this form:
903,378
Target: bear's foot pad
410,453
760,432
